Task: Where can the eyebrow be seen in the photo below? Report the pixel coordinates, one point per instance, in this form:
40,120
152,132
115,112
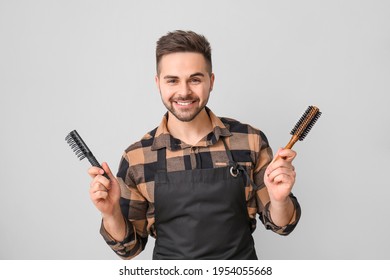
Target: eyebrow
191,76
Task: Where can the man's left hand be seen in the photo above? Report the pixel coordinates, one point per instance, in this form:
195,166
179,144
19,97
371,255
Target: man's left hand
280,175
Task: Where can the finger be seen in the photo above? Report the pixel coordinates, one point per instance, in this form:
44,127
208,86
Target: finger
94,171
279,164
99,195
97,186
287,154
283,154
100,180
283,179
280,178
282,171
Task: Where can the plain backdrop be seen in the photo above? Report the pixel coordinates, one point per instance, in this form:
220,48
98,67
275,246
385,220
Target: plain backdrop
90,66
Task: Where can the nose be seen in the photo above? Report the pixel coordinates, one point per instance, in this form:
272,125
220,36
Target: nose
185,89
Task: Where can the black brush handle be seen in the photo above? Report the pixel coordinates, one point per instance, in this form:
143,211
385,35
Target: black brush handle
91,158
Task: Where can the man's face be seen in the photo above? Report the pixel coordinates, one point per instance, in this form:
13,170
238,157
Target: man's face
184,84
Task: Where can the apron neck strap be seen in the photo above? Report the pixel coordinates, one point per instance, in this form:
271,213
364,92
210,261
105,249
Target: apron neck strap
236,168
162,159
228,152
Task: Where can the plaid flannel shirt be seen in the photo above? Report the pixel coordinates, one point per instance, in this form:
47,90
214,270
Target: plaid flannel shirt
249,147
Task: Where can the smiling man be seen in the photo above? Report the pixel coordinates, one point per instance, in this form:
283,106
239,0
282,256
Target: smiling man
197,182
185,83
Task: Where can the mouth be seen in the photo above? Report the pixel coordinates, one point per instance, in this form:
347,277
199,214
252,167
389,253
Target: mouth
184,103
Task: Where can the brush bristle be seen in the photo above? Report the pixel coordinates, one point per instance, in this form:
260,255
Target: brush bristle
306,122
77,144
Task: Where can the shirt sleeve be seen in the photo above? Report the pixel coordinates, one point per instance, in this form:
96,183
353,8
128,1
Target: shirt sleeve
264,158
134,208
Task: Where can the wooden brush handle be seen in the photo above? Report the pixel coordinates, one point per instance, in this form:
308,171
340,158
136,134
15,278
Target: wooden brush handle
293,140
290,144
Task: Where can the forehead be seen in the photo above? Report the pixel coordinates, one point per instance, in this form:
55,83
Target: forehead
182,63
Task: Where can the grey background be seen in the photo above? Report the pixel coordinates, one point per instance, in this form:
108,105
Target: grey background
89,65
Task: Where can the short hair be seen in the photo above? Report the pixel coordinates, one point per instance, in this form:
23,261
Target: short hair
183,41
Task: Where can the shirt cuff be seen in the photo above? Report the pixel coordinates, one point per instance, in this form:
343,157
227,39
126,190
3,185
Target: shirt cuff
285,230
119,246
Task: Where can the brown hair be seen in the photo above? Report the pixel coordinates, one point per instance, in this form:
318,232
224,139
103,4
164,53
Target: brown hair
183,41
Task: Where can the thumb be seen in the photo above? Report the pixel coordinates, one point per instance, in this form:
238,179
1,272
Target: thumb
278,152
107,169
276,155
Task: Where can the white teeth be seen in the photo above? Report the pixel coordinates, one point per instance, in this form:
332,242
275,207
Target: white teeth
184,103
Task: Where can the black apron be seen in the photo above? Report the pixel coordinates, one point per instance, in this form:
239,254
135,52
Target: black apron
202,213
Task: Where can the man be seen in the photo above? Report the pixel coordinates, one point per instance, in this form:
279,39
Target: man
196,182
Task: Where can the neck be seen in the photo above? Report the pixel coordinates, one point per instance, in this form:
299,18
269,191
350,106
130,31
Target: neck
190,132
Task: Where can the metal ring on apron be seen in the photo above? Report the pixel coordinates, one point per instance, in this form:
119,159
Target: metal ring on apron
234,171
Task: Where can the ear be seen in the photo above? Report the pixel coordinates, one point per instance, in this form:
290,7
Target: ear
157,81
212,78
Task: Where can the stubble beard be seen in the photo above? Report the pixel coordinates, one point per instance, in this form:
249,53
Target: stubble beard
184,115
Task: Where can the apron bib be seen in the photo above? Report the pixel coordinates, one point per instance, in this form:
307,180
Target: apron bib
201,213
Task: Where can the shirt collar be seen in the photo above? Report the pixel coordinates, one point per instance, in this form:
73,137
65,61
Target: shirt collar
163,139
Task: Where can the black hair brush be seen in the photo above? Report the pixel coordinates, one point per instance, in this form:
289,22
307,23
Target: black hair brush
81,149
304,125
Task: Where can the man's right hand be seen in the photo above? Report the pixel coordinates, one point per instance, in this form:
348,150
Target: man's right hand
104,193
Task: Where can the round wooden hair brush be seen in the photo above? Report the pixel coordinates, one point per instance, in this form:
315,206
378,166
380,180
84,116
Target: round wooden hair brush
304,125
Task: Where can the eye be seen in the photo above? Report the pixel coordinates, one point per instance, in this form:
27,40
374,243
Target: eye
172,81
195,81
